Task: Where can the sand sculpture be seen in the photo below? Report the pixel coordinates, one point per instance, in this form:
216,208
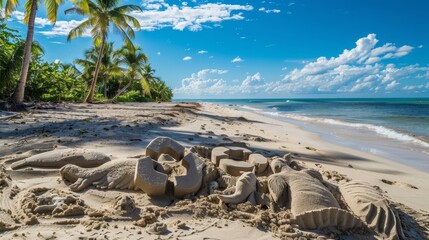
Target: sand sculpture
143,173
234,169
260,162
234,160
21,155
373,208
311,203
62,156
166,145
146,178
277,163
117,174
244,188
191,182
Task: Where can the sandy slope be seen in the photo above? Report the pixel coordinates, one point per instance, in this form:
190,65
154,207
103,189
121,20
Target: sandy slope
124,130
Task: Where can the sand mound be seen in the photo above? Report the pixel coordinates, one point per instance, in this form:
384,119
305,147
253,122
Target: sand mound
53,202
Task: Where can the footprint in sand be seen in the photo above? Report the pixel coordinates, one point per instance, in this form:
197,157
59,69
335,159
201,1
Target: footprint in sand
398,184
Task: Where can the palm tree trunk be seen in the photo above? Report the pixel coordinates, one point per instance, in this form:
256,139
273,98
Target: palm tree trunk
90,96
18,94
122,90
105,86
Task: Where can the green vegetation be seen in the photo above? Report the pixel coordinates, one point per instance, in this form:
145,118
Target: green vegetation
123,74
101,15
31,7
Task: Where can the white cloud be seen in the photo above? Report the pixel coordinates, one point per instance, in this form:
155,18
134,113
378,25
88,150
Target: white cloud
251,83
391,85
209,82
359,69
262,9
236,60
353,70
39,22
206,81
416,87
187,58
158,14
284,68
61,28
202,52
154,4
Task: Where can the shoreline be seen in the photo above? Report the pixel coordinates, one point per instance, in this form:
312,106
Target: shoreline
403,147
124,130
354,163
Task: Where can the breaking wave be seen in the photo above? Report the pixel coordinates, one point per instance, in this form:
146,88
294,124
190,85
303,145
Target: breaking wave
381,130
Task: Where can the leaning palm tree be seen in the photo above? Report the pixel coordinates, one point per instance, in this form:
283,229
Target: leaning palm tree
103,14
132,57
109,67
31,7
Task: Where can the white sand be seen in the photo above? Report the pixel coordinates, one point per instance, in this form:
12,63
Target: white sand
124,130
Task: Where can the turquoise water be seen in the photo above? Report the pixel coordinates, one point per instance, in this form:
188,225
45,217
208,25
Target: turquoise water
394,128
409,115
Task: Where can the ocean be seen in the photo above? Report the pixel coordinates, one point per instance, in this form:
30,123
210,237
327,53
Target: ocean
396,128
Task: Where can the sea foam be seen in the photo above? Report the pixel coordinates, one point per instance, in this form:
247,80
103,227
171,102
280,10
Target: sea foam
381,130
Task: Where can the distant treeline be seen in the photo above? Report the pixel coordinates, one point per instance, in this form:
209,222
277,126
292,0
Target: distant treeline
125,74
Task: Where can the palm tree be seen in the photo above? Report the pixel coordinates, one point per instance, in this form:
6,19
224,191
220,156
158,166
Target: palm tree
110,64
31,7
101,15
10,62
135,60
160,91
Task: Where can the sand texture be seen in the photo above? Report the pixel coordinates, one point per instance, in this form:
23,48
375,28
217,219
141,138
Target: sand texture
373,208
157,174
60,157
113,175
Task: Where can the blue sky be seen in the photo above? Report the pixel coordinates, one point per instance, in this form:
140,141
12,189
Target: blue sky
271,49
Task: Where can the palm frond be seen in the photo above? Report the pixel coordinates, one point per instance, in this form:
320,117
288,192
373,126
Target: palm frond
83,5
52,9
128,8
145,86
75,10
80,29
27,7
10,6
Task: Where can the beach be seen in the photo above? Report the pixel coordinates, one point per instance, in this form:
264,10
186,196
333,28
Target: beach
124,130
